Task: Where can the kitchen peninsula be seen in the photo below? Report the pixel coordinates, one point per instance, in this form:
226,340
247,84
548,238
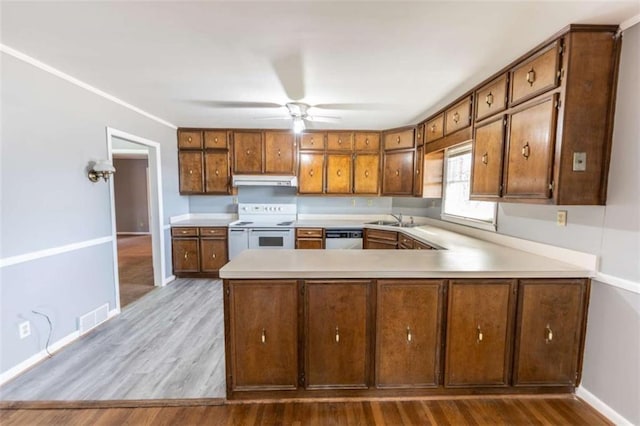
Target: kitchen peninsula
472,317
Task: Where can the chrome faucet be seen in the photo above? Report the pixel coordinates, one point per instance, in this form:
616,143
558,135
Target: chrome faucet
397,217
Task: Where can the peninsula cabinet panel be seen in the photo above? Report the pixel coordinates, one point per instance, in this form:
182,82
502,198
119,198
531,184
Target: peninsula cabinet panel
279,153
549,336
457,117
408,333
397,177
191,172
536,75
336,331
189,139
492,98
247,152
216,164
366,171
339,141
213,254
486,172
530,151
367,141
186,255
311,175
434,128
479,333
216,139
339,173
262,348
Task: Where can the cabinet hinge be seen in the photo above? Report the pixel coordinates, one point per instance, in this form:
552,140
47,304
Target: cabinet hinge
557,104
302,378
504,122
561,49
551,186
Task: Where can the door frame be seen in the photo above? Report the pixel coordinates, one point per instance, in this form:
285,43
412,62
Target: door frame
155,207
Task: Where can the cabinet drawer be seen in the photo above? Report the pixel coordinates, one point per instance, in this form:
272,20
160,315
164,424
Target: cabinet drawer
367,141
184,232
458,116
434,129
189,139
491,99
382,235
339,141
213,232
312,141
309,232
216,139
537,75
398,140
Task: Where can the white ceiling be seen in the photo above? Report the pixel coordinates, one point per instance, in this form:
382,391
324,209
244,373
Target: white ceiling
391,62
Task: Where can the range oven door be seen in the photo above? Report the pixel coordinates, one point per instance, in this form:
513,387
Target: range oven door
267,238
238,241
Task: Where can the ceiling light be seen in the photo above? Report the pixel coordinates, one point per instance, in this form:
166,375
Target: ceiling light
298,125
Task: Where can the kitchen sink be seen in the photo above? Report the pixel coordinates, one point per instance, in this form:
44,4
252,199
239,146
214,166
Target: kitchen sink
405,225
383,222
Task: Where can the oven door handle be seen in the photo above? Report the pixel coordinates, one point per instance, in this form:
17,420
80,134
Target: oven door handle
283,231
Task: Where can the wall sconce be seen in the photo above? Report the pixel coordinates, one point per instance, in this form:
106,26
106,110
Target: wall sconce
101,169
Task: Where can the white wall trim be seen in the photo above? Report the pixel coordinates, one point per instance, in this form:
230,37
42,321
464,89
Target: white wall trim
602,407
27,257
134,233
634,20
54,71
36,358
618,282
169,279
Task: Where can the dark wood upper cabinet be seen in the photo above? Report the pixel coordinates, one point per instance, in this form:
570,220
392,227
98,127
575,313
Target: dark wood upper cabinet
398,170
400,139
549,335
216,164
367,141
247,152
536,75
491,98
336,334
216,139
339,141
311,173
339,171
191,172
366,174
312,141
434,128
486,171
279,152
479,333
189,139
457,117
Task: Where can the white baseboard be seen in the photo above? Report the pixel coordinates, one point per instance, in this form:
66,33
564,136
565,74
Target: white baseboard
53,348
168,279
602,407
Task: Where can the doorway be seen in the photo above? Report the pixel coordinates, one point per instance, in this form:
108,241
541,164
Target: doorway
138,238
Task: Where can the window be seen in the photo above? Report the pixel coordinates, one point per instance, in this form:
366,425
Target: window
456,206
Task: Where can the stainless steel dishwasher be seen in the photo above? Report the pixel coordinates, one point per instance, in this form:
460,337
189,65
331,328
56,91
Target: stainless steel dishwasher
343,238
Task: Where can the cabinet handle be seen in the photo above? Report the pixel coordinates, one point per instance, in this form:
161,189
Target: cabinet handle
311,172
433,128
278,153
531,76
485,158
409,335
549,334
456,117
480,335
398,140
337,335
339,172
184,232
213,256
248,152
366,141
217,172
263,337
189,139
186,255
190,172
398,172
215,139
339,141
489,99
366,173
526,151
309,232
417,171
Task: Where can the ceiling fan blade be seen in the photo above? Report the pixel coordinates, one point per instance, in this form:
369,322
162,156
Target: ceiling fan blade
290,71
323,119
235,104
353,106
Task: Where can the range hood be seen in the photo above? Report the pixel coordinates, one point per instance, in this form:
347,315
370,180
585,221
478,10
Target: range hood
264,180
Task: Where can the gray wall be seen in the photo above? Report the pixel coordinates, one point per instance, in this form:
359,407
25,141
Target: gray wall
51,129
130,191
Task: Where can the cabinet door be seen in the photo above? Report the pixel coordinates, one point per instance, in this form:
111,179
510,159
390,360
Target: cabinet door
185,255
408,333
279,153
399,140
263,335
339,173
492,98
312,141
418,176
190,163
404,242
311,176
536,75
189,139
457,117
486,173
216,139
551,315
213,254
379,245
247,152
420,135
434,128
530,151
367,141
397,178
216,166
339,141
337,344
309,243
366,173
479,333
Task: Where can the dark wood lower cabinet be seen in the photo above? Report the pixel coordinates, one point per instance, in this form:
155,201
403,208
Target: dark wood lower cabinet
186,255
408,333
199,252
263,335
403,337
336,330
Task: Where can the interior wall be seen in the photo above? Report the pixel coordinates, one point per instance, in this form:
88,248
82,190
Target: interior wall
130,193
51,130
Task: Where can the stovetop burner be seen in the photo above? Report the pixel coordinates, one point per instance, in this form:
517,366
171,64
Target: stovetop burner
289,223
242,223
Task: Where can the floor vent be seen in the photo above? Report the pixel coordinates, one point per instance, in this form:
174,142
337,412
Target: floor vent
94,318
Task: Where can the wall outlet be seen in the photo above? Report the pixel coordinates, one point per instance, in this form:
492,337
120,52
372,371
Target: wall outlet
235,200
561,218
353,202
24,329
369,202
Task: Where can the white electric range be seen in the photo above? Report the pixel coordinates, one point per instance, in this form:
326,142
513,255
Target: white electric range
262,226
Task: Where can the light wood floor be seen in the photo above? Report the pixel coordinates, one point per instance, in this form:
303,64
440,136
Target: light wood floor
464,411
169,344
135,267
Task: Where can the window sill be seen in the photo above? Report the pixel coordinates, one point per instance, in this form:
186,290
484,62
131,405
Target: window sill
486,226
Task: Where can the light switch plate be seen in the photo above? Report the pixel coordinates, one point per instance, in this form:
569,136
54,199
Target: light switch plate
579,161
561,218
24,329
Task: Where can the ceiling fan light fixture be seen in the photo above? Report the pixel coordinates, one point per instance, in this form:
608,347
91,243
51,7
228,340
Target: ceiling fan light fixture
298,125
